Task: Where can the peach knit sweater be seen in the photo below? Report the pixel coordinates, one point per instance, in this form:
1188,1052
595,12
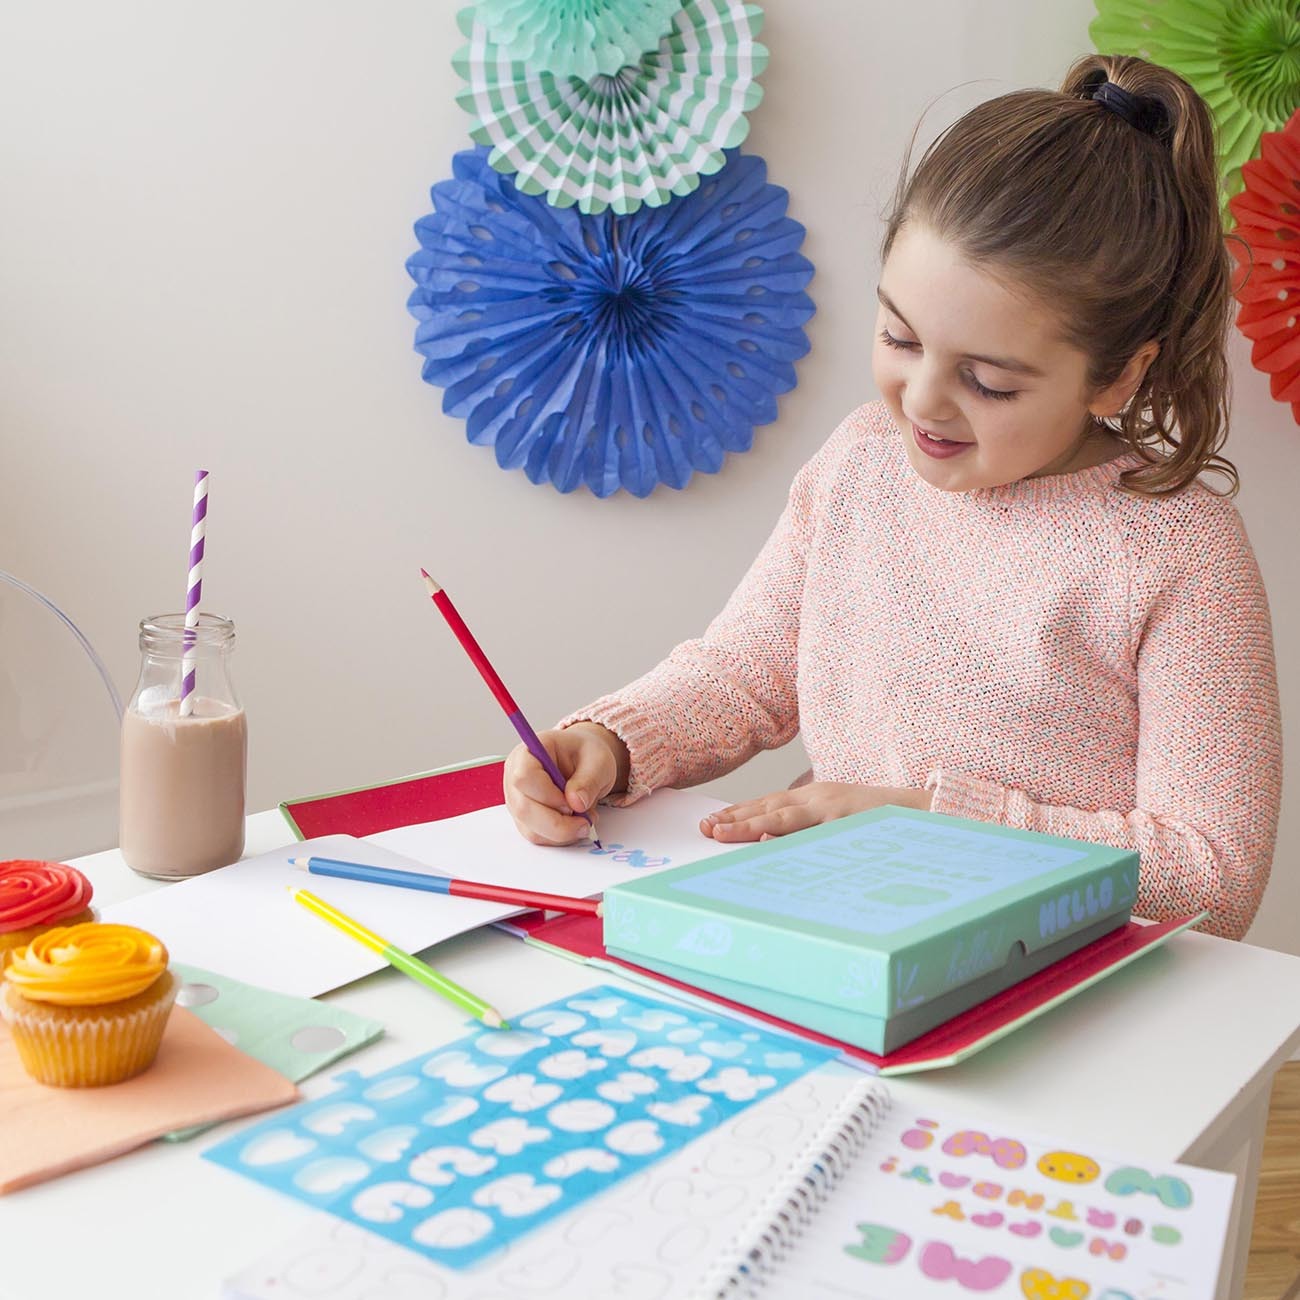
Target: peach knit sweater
1055,654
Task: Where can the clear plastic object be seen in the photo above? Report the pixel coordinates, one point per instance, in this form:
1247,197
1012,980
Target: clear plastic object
59,715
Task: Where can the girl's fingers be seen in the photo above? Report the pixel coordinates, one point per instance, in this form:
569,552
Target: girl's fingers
778,821
738,832
739,812
525,776
534,784
589,780
543,825
540,811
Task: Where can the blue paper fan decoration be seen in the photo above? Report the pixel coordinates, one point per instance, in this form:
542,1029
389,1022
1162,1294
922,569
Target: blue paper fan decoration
615,351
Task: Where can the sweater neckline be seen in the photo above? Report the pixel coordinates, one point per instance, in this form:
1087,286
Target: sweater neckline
1056,487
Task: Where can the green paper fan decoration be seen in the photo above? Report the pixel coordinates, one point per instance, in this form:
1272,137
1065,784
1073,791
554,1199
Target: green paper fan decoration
1242,56
641,136
576,38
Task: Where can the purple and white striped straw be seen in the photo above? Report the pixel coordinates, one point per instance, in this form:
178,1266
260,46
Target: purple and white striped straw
194,589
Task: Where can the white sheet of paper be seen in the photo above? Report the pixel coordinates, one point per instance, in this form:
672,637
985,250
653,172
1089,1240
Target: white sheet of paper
485,845
241,921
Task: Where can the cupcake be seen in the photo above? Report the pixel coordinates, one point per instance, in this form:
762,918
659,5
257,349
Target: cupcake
35,897
87,1004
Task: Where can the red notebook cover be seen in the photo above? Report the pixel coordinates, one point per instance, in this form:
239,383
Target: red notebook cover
427,797
947,1043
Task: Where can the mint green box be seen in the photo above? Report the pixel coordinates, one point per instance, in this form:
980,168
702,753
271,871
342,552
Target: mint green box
873,928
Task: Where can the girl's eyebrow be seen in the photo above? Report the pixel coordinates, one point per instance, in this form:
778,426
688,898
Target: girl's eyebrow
1001,363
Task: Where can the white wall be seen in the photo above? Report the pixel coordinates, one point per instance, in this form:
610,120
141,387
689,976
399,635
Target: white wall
207,210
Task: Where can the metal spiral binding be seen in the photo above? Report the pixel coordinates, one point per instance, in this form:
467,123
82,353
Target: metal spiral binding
798,1195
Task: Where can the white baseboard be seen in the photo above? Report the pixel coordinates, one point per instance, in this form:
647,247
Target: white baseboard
61,823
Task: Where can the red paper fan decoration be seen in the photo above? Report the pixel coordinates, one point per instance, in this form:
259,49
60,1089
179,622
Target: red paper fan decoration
1267,213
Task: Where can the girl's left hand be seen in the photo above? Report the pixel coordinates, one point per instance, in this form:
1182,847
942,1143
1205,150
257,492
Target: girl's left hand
805,805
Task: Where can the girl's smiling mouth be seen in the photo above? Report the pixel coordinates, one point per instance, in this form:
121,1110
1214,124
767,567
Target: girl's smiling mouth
938,447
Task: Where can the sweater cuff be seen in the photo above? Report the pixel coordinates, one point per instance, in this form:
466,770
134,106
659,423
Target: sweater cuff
648,754
958,794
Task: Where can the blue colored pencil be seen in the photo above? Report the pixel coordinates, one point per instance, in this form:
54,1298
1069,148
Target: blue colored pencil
432,884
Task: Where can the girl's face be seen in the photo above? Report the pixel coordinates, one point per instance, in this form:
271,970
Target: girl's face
978,378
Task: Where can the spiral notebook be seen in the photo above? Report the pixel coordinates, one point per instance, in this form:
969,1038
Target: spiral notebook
909,1205
828,1188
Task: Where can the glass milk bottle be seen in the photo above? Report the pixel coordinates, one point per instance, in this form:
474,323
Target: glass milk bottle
183,768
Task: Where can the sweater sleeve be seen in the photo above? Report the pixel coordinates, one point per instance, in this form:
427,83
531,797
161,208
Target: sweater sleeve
1209,752
717,700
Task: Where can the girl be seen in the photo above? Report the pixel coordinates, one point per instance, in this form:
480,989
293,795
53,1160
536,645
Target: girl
1001,592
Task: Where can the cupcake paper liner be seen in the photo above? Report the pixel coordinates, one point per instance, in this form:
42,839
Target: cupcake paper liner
100,1047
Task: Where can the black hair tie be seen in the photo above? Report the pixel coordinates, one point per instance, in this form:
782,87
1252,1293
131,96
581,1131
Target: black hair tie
1138,113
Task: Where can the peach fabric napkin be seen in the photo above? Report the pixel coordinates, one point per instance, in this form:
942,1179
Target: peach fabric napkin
198,1077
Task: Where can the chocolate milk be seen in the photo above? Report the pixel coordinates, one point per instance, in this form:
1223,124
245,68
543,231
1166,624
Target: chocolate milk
182,789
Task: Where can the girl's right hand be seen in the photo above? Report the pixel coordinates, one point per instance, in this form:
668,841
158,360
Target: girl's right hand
590,758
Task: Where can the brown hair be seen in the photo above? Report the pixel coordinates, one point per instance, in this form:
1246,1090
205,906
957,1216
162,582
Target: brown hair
1058,190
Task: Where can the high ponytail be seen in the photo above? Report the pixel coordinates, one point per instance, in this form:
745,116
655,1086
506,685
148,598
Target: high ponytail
1113,221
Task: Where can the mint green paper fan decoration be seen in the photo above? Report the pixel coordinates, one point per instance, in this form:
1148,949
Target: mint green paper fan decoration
1242,56
641,136
576,38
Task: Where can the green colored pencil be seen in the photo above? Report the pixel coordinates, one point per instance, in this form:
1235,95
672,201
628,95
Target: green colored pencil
401,960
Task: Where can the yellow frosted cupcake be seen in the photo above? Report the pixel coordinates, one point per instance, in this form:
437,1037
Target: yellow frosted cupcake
87,1004
37,896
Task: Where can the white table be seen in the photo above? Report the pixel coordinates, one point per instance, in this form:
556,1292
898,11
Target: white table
1171,1058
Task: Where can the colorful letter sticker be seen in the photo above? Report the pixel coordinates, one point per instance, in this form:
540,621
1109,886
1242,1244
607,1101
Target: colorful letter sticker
458,1152
1067,1167
1169,1191
879,1245
1006,1153
1039,1284
940,1262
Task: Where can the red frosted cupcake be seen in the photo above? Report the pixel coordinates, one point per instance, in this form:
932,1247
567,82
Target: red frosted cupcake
37,896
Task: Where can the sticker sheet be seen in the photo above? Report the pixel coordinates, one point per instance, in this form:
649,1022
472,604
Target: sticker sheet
460,1151
950,1208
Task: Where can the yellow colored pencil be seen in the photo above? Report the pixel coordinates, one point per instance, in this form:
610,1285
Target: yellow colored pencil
401,960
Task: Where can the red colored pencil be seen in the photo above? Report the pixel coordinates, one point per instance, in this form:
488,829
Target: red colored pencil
498,688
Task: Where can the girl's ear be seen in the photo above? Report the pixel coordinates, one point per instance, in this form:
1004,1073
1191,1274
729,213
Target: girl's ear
1110,401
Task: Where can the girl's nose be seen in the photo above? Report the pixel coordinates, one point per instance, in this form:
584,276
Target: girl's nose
925,400
927,407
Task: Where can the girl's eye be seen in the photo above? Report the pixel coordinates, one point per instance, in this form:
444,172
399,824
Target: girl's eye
890,341
997,394
982,389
